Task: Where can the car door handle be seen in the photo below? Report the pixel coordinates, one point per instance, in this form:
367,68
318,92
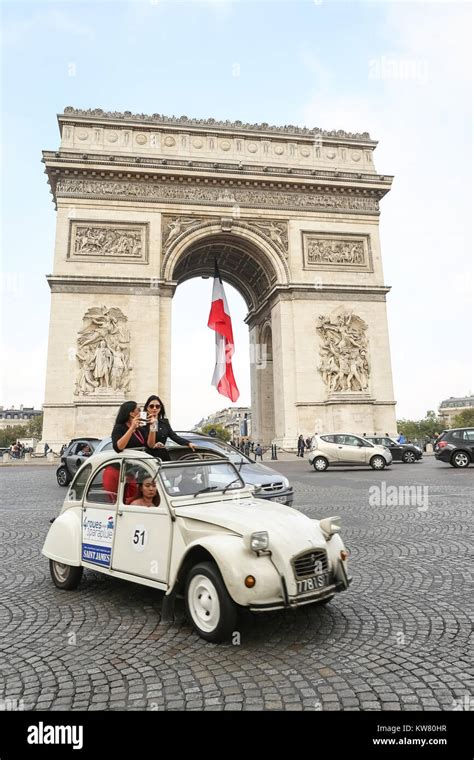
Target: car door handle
339,447
119,514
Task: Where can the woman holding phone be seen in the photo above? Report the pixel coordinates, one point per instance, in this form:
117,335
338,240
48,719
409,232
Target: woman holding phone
158,430
129,430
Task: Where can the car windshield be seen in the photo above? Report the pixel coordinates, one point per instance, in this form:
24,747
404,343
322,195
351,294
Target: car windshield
194,478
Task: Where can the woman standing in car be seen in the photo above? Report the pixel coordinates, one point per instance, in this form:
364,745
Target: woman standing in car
158,430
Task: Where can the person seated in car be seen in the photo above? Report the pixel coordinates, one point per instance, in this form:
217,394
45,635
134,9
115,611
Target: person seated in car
148,494
86,450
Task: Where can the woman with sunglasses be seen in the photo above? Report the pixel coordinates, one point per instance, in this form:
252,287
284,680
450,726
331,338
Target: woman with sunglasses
158,430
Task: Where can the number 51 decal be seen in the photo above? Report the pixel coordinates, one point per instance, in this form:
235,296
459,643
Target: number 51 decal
139,538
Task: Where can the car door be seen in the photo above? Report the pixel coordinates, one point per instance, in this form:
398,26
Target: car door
142,542
351,450
328,447
99,515
75,458
468,436
395,449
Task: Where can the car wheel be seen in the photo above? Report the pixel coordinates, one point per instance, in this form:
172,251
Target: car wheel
320,464
460,459
65,576
211,611
408,457
62,476
377,462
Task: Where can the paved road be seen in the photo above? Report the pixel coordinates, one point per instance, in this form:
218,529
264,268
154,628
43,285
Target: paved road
399,639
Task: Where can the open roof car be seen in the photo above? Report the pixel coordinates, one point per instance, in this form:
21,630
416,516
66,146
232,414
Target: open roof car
265,482
206,537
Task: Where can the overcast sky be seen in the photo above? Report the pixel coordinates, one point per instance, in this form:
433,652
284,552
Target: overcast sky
401,71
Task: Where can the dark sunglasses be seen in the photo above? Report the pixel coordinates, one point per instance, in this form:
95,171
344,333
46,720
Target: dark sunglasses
154,406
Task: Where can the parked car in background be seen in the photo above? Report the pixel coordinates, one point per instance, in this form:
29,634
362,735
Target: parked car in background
205,537
345,449
455,447
73,457
265,482
401,452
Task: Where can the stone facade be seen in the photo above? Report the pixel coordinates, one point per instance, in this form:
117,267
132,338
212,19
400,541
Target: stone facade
146,202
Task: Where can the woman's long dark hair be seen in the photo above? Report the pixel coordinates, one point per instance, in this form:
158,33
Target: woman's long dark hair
162,412
124,412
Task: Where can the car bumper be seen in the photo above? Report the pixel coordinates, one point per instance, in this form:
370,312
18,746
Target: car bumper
444,454
299,601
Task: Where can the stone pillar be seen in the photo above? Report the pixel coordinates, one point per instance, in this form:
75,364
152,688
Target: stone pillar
164,356
284,374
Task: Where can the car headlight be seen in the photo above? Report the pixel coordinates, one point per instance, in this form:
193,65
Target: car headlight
259,541
286,482
254,486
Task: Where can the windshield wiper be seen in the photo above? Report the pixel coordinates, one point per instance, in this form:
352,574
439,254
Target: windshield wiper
236,480
205,490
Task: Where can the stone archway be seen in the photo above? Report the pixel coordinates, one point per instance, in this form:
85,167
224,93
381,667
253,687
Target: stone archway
146,202
248,262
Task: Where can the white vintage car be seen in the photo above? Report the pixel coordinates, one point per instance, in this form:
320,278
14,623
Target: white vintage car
204,535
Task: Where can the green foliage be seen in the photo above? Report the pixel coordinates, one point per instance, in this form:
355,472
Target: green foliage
220,430
418,430
464,419
32,429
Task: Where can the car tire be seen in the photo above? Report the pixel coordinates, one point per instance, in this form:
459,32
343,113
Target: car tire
62,476
320,464
409,457
460,459
210,609
377,462
65,576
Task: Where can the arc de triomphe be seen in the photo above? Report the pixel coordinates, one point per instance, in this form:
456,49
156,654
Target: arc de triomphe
146,202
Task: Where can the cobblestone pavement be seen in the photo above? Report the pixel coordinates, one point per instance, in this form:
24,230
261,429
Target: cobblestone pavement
397,640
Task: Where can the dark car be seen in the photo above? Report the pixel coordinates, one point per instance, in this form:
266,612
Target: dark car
456,447
401,452
76,452
265,481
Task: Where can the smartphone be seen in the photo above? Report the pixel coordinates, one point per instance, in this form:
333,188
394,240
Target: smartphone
143,416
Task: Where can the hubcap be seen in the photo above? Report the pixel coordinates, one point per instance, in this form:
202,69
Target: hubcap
320,464
409,457
61,571
378,463
204,604
461,460
62,477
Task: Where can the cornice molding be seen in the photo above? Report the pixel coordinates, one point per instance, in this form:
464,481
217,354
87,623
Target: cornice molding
185,122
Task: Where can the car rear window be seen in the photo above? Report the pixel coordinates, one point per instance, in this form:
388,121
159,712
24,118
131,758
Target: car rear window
469,435
76,489
327,438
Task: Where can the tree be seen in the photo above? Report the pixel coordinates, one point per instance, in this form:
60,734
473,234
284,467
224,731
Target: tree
34,427
219,430
419,430
11,434
464,418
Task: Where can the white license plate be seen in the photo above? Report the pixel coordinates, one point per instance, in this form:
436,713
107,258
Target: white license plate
312,584
280,499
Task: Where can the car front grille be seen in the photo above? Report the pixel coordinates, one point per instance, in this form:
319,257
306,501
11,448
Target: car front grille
272,487
310,563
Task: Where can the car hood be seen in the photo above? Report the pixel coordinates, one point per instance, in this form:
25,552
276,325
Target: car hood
258,474
249,515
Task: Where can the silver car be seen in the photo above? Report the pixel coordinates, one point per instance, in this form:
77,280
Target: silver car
347,450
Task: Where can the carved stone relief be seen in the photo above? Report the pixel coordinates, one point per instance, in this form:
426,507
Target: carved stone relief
103,240
175,228
323,251
195,194
103,353
344,352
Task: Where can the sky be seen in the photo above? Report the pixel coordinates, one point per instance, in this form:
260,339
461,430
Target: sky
399,70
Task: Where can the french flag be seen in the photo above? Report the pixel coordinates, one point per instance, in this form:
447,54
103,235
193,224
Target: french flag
219,320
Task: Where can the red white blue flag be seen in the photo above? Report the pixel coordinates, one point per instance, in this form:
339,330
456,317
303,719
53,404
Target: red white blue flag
220,321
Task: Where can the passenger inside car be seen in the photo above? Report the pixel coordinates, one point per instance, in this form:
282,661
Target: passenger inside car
148,493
